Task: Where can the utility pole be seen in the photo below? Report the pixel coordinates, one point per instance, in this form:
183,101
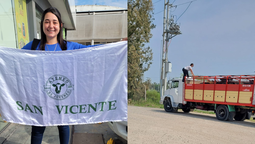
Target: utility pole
170,30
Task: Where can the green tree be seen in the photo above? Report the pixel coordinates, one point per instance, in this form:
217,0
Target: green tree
139,33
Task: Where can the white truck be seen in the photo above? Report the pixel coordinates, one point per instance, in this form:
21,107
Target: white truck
230,97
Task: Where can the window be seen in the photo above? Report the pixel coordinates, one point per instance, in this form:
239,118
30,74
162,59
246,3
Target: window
174,84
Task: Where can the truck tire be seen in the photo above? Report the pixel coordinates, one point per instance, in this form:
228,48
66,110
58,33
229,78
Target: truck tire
240,116
168,105
222,112
185,108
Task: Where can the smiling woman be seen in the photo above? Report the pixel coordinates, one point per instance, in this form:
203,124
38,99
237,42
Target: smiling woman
52,34
51,40
51,27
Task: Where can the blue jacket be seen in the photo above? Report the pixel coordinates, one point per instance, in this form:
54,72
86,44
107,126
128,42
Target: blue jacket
48,47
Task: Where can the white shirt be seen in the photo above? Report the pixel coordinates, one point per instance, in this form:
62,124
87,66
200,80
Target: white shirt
188,68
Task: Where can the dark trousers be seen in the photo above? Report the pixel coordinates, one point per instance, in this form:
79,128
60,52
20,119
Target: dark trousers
185,73
37,134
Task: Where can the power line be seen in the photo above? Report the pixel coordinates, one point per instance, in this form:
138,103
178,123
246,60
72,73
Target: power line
186,2
184,11
176,5
158,12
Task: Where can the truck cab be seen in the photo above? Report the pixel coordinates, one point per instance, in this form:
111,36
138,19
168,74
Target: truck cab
173,96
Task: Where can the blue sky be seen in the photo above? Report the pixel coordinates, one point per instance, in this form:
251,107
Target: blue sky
217,36
117,3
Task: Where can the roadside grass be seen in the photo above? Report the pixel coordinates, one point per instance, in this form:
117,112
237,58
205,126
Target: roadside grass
152,100
203,111
251,119
148,103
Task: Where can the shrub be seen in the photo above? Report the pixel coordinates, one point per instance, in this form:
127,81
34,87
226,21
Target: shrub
153,96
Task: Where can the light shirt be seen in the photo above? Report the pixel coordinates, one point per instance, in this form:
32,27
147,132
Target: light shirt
188,68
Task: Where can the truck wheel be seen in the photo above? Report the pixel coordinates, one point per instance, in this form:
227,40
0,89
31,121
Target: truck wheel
240,116
168,105
185,109
222,112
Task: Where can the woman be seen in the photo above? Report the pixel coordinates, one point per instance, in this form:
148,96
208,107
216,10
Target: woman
52,33
52,40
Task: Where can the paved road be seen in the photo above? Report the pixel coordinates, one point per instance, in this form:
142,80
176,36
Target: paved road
155,126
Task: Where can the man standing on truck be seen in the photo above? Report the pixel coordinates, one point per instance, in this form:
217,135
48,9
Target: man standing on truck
186,71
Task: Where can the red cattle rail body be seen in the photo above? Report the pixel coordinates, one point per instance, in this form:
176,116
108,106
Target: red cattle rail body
229,96
228,90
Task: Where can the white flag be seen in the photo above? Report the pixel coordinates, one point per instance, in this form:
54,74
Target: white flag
64,87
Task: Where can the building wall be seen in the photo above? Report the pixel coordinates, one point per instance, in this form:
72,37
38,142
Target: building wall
84,8
99,27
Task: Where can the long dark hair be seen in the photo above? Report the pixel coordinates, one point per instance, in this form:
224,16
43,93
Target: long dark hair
60,39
